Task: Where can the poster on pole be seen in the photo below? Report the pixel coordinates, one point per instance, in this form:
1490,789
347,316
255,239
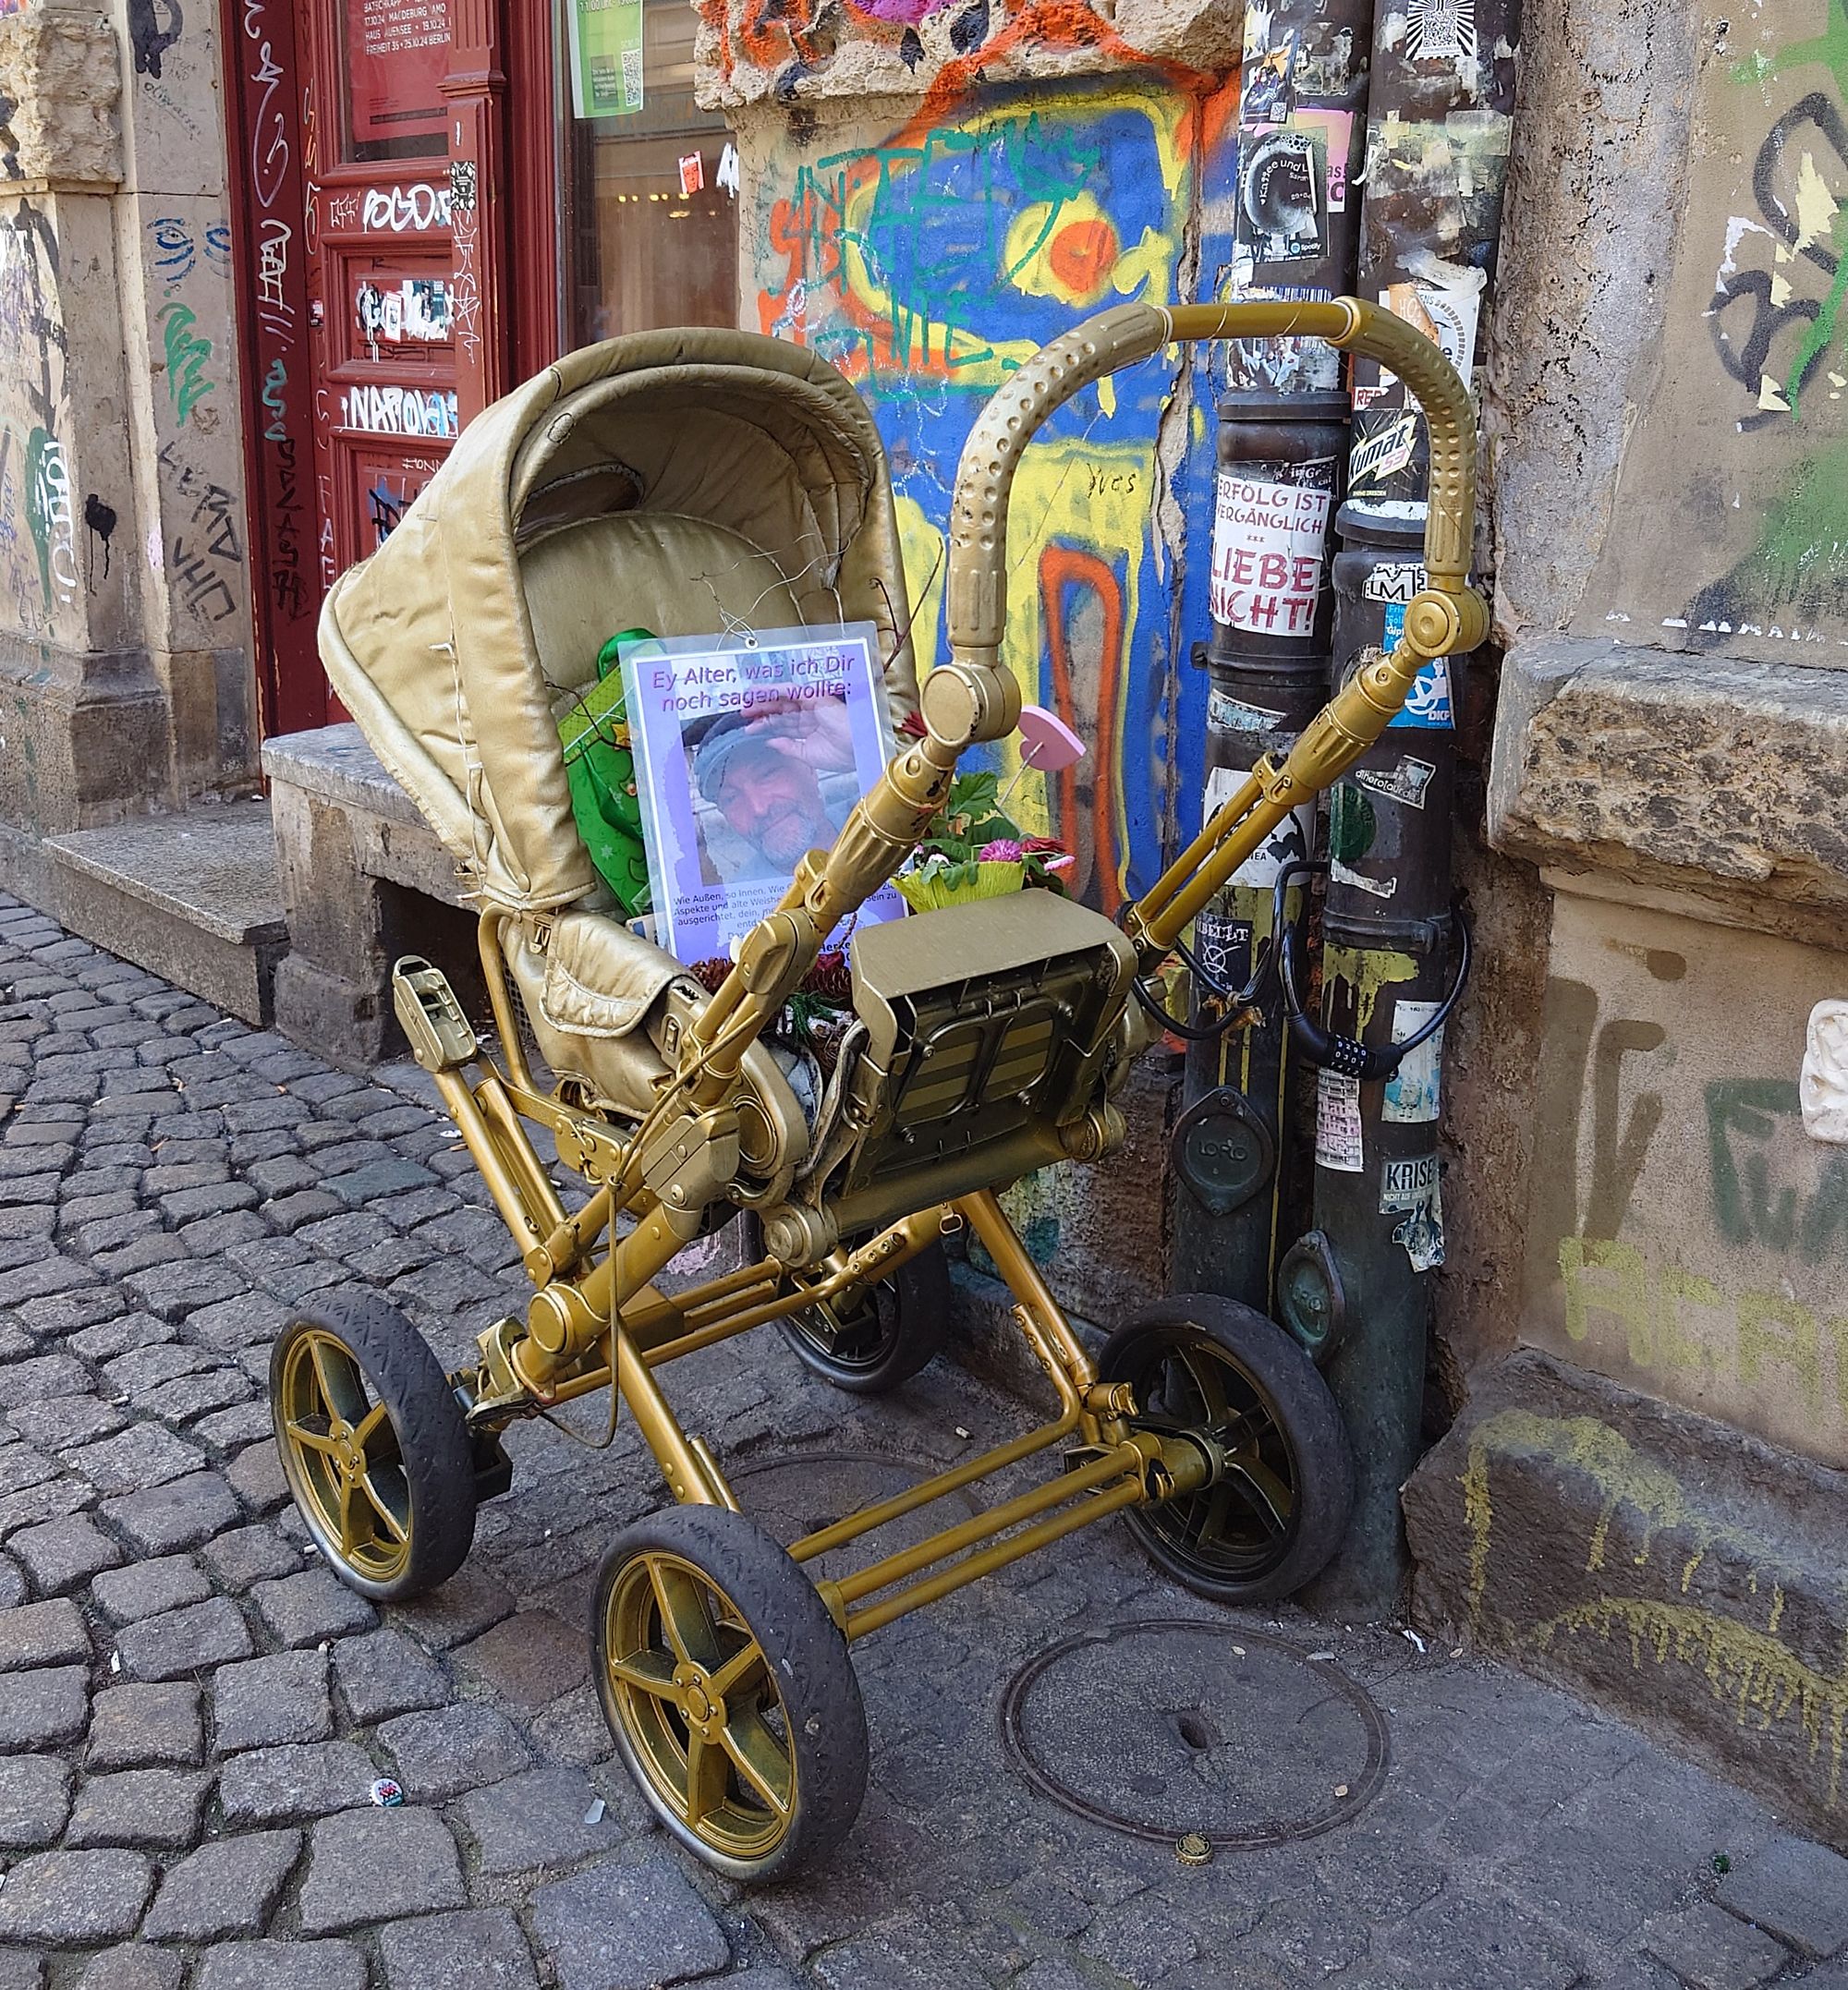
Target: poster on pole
606,80
751,751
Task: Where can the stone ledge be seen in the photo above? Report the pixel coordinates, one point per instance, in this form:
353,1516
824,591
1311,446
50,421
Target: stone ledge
335,764
1672,1568
193,898
1706,775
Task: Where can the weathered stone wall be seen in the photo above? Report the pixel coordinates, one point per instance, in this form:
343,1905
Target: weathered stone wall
80,712
1644,1502
173,237
124,645
1670,569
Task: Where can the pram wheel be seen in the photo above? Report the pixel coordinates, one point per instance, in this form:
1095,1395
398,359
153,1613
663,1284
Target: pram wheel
373,1446
729,1690
1278,1513
896,1330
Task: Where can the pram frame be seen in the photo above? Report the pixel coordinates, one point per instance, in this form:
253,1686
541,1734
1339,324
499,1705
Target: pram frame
597,1320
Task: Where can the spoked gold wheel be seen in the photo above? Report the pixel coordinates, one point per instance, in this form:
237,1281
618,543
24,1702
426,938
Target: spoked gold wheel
729,1692
373,1446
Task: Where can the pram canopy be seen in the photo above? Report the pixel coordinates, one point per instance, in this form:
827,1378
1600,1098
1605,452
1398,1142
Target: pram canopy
683,482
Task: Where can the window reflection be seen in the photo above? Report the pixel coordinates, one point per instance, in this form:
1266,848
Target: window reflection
650,235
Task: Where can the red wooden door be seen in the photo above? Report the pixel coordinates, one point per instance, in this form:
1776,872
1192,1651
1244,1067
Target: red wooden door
384,322
393,177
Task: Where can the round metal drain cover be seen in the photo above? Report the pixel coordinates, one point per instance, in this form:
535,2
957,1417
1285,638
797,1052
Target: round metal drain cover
1168,1725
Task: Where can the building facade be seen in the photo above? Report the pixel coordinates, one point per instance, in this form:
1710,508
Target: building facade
256,271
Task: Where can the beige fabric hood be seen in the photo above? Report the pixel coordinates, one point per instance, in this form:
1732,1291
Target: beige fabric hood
683,482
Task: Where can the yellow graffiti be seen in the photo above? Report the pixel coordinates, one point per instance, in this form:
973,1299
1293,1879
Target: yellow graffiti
1369,973
1765,1334
1067,250
1744,1665
1749,1668
1093,496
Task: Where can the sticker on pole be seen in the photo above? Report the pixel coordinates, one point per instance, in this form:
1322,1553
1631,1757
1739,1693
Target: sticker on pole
1292,842
1229,714
1405,783
1269,539
1410,1188
1427,704
1411,1096
1338,1141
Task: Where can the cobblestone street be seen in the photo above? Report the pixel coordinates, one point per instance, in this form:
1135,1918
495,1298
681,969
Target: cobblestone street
193,1711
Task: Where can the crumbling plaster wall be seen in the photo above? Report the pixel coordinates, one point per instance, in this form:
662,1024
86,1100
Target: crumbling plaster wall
124,649
1671,752
1645,1501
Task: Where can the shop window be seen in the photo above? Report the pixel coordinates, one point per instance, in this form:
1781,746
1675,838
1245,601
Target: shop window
394,55
650,228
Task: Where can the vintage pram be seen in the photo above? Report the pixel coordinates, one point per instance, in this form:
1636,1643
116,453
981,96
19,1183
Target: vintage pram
672,481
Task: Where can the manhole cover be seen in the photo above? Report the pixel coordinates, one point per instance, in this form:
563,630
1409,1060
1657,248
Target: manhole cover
1167,1725
801,1492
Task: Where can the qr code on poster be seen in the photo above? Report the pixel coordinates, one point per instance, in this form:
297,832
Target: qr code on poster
632,75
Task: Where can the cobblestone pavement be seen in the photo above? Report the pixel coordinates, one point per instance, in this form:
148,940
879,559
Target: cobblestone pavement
192,1711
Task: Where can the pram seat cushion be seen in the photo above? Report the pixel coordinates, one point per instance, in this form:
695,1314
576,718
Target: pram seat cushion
663,572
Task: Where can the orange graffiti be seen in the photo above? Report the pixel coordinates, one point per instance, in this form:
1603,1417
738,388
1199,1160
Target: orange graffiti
1081,255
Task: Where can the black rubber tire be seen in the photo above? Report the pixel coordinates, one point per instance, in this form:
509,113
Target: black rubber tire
1305,1446
910,1317
426,1418
808,1656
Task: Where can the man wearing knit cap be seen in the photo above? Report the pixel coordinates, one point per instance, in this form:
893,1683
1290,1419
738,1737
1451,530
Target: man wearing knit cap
782,779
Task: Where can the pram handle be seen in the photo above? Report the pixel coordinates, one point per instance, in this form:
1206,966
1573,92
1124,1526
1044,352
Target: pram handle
974,697
967,698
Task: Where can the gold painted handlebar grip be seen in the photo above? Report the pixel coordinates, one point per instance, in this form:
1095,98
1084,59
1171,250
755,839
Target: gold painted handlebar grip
1127,333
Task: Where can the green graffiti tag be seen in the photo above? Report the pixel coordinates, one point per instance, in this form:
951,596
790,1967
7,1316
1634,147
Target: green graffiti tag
186,355
1829,48
39,447
1747,1207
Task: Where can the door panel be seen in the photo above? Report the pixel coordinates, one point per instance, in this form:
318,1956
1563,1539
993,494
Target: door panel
381,275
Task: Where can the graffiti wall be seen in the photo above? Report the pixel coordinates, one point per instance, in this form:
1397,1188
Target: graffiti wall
929,257
40,512
1741,438
1688,1238
786,52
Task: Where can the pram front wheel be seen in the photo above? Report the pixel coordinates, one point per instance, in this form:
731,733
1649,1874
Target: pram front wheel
896,1330
373,1446
729,1690
1278,1512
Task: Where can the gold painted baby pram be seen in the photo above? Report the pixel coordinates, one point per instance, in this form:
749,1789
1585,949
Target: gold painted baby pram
985,1040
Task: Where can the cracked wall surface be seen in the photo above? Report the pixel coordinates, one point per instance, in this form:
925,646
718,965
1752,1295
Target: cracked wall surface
802,50
125,677
1666,409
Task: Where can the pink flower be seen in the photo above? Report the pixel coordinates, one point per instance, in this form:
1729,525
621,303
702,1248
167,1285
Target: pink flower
1002,850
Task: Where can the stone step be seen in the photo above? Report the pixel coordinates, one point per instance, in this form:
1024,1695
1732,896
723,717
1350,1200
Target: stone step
195,898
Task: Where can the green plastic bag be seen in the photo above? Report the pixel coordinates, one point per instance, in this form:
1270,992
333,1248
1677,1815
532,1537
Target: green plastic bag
600,768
